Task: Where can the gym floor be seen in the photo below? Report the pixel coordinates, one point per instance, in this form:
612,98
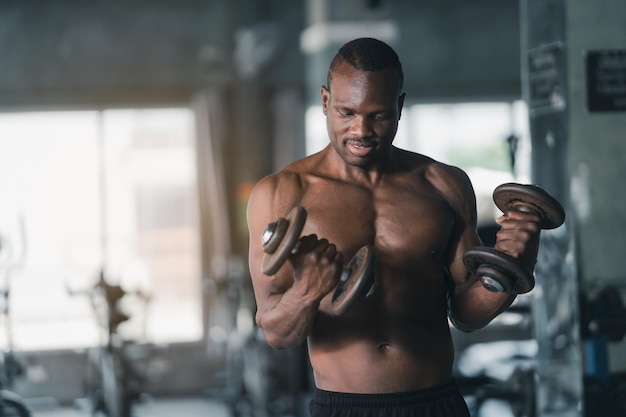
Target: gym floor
177,407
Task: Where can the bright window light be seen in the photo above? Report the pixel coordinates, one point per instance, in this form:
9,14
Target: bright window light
115,189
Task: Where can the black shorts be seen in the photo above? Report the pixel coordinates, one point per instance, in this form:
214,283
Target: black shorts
444,401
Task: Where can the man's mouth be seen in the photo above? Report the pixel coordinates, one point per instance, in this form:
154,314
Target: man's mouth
360,148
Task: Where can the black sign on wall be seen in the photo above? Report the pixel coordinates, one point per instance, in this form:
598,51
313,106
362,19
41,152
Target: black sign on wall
606,80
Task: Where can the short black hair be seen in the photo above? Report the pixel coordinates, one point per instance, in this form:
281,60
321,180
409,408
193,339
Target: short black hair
367,54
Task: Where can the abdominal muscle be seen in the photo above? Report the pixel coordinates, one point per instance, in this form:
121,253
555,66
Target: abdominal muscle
383,355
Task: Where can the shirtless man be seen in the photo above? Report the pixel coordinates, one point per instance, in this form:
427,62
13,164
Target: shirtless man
392,351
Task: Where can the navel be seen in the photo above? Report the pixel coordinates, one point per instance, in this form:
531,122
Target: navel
433,251
384,347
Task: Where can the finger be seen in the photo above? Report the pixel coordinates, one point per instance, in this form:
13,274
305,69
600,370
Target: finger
322,245
339,261
514,240
522,231
331,251
510,247
522,216
305,244
525,224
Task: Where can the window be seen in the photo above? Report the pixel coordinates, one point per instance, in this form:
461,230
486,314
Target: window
87,190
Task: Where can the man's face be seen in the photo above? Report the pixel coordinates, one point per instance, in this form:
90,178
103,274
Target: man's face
362,110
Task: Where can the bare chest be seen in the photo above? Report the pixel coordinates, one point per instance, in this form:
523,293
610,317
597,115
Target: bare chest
406,225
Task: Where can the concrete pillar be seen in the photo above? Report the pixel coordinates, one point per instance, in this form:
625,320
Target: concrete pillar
578,157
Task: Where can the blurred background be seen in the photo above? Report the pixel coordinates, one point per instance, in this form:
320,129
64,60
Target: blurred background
131,134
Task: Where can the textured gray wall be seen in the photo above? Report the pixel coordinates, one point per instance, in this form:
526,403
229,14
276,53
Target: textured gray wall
70,51
450,50
578,155
598,146
598,156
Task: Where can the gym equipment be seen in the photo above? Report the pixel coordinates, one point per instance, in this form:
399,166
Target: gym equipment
12,255
281,239
602,322
115,378
497,271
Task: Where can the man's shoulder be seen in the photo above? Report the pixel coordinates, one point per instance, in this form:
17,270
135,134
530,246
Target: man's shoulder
297,172
449,181
434,171
285,184
453,185
285,178
441,172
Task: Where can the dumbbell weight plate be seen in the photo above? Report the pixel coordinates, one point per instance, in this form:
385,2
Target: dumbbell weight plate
279,239
511,195
498,271
355,283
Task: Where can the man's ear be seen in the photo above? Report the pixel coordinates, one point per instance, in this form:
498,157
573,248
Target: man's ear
325,93
401,104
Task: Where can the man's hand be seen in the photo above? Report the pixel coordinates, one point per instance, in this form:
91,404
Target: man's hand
316,265
518,236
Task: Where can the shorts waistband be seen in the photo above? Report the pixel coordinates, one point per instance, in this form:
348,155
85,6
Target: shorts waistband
396,399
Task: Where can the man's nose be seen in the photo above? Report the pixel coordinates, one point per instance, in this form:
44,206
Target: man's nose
360,127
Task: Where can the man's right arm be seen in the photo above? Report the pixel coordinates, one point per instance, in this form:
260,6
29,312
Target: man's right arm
286,307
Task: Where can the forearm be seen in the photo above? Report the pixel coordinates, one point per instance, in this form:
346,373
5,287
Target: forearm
288,321
472,307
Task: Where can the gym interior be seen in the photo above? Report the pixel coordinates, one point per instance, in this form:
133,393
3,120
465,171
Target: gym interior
131,134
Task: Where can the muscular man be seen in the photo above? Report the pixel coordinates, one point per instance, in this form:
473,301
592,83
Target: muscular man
391,353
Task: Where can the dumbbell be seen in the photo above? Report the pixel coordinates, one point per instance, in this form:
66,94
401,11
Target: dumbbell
280,239
497,271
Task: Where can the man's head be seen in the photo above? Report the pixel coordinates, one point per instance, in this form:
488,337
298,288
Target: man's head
363,101
366,54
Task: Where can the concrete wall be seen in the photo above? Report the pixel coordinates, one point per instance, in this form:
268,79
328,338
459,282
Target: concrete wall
555,309
67,50
449,50
72,51
598,152
597,146
578,156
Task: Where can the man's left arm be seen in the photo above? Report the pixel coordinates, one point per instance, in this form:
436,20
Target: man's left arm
471,305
